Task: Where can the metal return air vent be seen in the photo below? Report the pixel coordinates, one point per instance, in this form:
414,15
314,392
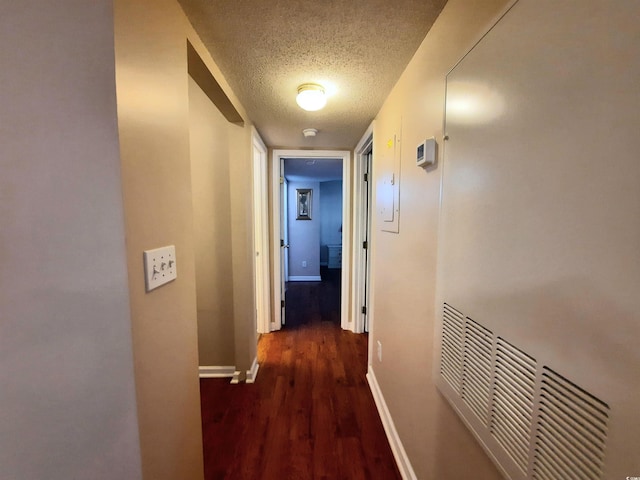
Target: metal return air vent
452,347
512,407
544,425
477,366
571,431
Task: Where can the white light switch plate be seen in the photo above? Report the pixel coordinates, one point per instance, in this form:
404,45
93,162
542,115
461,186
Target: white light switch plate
159,266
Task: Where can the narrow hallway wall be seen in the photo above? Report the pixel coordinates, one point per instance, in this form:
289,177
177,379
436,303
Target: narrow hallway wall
153,116
153,113
404,263
209,150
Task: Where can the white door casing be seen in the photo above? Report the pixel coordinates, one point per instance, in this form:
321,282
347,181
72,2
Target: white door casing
278,238
360,288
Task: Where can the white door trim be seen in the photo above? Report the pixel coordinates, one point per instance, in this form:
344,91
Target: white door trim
276,248
345,317
359,232
285,222
261,232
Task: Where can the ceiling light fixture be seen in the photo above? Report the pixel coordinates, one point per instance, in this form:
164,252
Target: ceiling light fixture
311,97
309,132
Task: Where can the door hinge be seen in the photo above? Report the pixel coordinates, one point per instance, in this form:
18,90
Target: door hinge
366,177
281,243
364,310
281,180
281,303
365,245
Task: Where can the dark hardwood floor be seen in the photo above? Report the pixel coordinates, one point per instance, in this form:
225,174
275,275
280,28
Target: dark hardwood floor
310,414
309,302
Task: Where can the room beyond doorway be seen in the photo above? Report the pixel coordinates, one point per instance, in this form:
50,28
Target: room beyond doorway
313,220
285,200
313,233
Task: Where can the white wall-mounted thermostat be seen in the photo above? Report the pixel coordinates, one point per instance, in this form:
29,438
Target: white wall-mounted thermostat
426,152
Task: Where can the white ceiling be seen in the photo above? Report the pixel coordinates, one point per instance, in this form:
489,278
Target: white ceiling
267,48
315,169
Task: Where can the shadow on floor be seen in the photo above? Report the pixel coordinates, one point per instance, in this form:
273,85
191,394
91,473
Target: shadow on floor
313,302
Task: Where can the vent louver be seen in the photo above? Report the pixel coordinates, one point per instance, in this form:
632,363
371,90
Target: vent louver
512,407
571,431
477,366
538,424
452,347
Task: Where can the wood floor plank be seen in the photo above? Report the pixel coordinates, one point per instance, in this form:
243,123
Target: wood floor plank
310,414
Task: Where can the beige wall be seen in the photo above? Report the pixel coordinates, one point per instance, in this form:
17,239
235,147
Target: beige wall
244,305
153,113
67,394
539,236
304,235
404,263
208,132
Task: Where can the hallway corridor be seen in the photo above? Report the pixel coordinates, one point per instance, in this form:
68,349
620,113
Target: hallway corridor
310,414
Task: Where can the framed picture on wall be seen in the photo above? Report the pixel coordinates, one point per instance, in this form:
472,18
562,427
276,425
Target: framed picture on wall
304,203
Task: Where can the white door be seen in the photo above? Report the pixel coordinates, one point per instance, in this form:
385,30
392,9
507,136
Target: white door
284,245
261,236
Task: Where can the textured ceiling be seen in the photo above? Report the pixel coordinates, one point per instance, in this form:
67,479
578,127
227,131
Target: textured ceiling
266,48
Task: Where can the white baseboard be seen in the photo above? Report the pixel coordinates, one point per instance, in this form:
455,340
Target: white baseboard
305,278
236,377
216,371
404,465
252,373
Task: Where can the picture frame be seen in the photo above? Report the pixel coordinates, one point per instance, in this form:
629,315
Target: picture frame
304,197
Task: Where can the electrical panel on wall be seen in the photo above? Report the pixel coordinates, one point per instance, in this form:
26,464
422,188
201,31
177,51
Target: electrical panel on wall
388,187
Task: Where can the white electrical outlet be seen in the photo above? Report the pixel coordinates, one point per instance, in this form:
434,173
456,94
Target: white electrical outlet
379,351
304,264
159,266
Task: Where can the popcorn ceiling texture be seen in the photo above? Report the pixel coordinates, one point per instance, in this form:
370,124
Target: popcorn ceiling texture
266,48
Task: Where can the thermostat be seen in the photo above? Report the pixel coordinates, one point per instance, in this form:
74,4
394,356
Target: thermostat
426,152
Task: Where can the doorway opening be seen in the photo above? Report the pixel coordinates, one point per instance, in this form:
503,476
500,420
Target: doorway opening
313,233
290,199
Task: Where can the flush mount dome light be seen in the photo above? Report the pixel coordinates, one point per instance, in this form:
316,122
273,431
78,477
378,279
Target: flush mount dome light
311,97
